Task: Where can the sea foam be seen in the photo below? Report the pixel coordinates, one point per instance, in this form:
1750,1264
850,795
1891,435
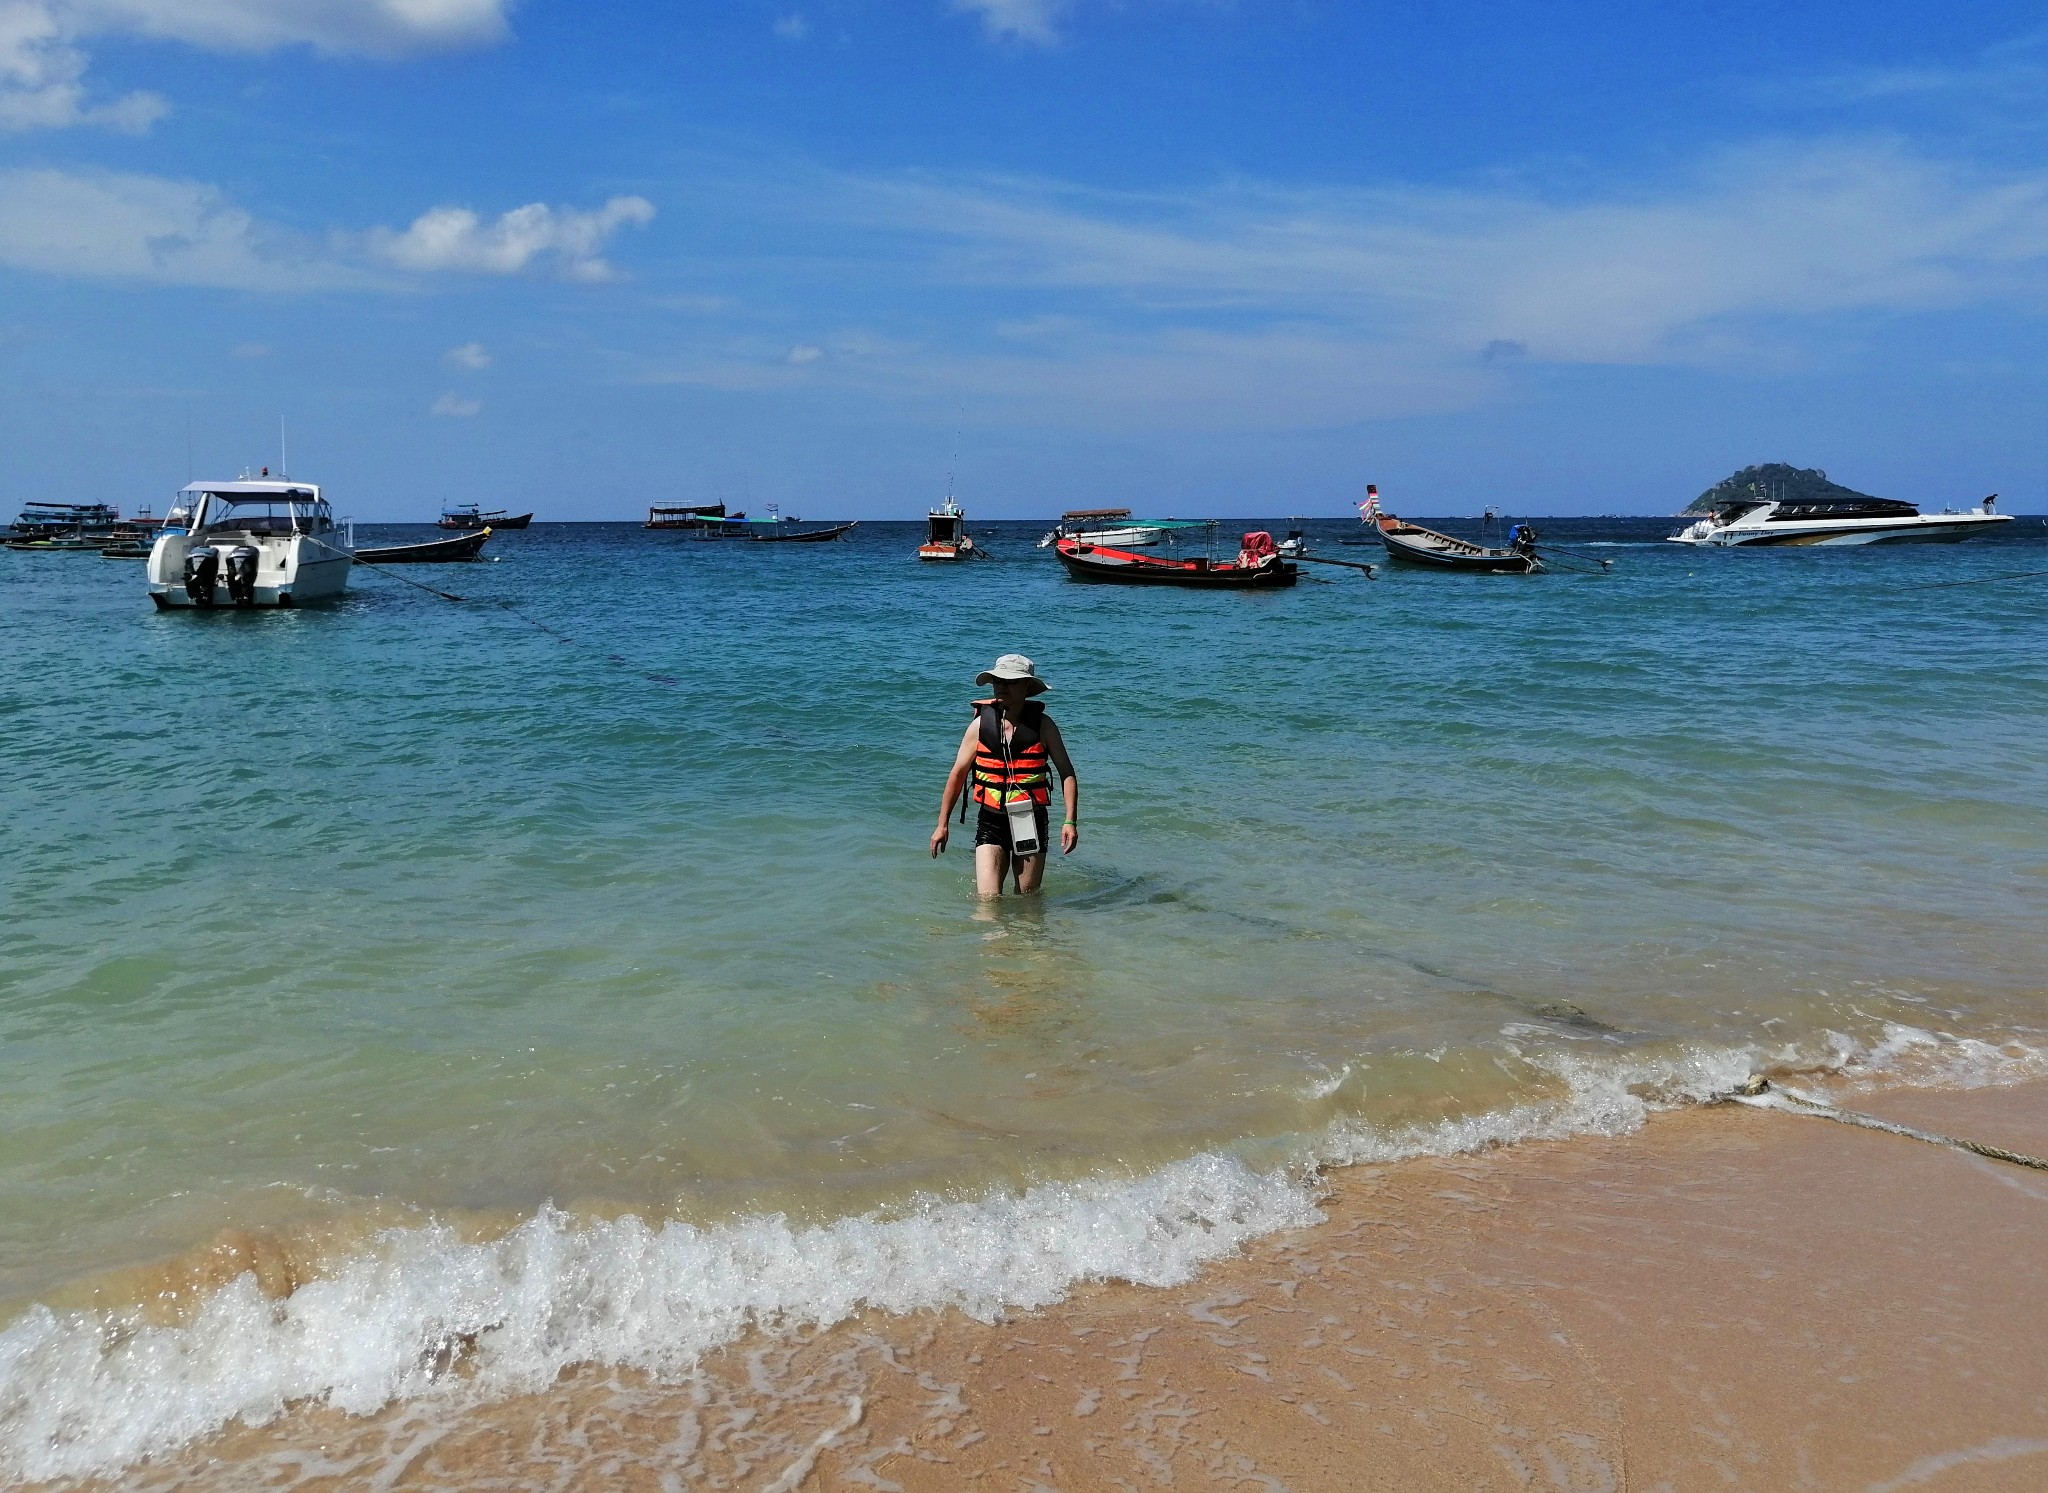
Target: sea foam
91,1392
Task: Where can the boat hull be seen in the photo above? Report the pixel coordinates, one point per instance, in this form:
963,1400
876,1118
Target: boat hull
813,536
433,552
1945,528
496,522
296,570
1429,550
1121,568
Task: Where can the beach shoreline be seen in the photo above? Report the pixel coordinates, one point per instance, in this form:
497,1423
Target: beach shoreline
1726,1297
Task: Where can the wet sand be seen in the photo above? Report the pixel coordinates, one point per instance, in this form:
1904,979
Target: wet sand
1730,1299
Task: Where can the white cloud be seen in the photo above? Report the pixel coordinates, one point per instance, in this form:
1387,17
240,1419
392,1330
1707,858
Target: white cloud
118,226
42,61
470,355
1033,21
792,27
41,75
455,238
803,353
1248,306
250,350
455,406
110,225
1637,277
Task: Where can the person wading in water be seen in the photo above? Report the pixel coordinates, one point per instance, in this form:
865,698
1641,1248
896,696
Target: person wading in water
1006,752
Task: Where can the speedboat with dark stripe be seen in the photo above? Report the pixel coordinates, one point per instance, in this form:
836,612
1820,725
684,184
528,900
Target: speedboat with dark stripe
1764,523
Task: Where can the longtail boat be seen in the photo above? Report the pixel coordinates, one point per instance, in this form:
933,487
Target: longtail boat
466,516
1411,544
1258,566
433,552
802,536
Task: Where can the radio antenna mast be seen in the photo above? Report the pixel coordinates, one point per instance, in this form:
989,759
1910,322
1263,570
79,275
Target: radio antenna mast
280,446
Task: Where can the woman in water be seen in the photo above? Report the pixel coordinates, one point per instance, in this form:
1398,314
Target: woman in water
1006,751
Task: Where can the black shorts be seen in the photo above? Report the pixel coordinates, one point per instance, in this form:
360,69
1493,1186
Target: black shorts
992,827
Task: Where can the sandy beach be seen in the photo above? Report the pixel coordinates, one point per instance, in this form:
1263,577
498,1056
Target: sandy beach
1728,1299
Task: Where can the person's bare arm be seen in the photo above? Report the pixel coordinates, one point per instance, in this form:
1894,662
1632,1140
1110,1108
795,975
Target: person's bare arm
956,780
1070,785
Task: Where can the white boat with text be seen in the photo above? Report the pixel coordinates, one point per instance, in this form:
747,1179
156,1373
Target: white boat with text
1764,519
253,542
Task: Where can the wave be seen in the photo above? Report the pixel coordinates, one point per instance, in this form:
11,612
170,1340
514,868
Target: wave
90,1392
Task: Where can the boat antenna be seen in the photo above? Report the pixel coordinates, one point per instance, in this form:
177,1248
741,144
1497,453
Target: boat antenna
280,446
188,443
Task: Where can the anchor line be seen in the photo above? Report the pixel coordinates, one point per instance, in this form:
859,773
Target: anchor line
1975,580
512,610
1759,1093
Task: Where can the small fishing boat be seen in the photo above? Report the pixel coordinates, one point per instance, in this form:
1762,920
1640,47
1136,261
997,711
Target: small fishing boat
432,552
1411,544
801,536
1108,526
945,534
262,542
1258,565
467,516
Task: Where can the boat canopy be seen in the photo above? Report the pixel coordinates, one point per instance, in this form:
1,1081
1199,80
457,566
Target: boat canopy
269,509
253,487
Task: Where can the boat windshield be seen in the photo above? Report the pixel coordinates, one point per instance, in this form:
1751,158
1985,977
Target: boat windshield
267,513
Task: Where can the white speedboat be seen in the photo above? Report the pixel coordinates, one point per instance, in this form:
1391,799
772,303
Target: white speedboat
1101,526
945,534
1752,522
254,542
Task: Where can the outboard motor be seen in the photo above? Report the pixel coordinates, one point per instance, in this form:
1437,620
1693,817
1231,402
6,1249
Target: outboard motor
202,569
241,575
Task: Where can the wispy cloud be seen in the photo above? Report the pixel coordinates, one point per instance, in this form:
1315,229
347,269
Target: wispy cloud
1251,305
43,58
1032,21
455,238
456,406
159,230
470,356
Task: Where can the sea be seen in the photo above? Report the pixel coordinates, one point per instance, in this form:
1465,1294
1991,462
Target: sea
545,955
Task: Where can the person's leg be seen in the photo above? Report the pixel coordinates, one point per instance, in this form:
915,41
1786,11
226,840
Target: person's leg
1030,871
991,864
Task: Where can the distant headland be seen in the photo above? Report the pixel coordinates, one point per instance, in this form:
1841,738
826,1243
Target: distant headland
1777,481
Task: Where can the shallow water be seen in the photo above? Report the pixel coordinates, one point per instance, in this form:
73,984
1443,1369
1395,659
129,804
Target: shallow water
605,888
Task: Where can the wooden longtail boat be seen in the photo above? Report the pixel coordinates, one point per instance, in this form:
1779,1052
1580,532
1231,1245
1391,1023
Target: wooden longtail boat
1412,544
1094,562
467,517
433,552
807,536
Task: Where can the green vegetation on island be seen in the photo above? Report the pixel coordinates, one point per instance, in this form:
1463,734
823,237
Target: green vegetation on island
1777,482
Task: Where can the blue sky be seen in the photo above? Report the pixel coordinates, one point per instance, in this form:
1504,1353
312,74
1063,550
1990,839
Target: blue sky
1191,255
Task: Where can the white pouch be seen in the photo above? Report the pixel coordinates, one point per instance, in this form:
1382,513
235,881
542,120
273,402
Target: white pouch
1024,826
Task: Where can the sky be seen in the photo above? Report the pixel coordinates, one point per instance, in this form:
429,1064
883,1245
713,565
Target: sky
1229,257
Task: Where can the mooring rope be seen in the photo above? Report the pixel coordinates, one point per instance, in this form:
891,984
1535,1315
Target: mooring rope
1975,580
618,660
1759,1093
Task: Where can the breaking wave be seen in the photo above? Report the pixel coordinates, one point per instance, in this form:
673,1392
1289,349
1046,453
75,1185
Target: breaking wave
90,1392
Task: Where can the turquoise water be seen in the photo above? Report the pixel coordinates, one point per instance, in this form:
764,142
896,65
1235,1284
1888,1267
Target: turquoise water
617,899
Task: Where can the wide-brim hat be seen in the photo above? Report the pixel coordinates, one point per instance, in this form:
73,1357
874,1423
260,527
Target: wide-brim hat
1014,666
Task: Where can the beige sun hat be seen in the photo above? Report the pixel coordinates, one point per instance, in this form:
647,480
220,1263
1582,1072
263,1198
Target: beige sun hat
1014,666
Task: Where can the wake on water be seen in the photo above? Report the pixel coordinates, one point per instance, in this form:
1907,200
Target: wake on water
91,1392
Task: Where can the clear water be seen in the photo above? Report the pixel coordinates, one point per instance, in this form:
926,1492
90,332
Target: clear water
616,898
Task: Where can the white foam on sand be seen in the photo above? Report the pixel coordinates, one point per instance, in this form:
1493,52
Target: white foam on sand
91,1392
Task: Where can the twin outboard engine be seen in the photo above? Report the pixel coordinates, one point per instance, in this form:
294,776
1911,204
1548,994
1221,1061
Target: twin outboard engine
241,575
202,569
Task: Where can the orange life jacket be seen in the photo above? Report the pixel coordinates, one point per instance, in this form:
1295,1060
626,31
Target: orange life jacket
1004,771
